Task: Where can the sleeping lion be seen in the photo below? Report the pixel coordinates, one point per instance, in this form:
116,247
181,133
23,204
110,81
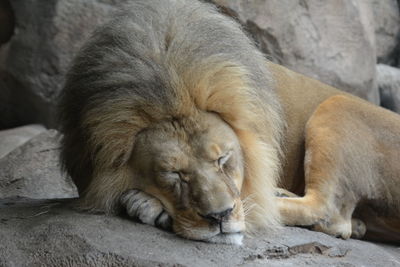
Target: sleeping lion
171,114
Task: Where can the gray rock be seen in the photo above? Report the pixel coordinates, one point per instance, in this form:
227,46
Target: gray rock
47,35
332,41
388,79
387,27
7,21
13,138
33,170
45,235
3,55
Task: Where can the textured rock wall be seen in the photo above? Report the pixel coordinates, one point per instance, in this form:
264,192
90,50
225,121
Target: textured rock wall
389,86
7,21
332,41
387,28
47,35
337,42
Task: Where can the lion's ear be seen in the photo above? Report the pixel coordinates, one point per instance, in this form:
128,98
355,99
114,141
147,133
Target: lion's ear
124,155
111,130
112,126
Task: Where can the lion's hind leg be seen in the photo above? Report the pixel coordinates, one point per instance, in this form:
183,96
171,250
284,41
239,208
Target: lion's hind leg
316,214
332,190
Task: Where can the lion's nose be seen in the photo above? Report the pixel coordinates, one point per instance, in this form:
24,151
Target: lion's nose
217,216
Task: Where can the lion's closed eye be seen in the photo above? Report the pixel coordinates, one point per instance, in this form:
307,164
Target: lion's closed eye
224,159
176,176
167,179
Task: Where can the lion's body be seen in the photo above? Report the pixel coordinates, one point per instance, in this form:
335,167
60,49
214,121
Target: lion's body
191,86
299,97
359,150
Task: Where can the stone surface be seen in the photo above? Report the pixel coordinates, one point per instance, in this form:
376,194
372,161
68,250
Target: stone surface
13,138
33,170
394,60
7,21
18,106
47,35
45,235
332,41
388,79
387,27
37,231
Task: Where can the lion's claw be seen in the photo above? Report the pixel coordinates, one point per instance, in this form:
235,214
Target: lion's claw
280,192
145,208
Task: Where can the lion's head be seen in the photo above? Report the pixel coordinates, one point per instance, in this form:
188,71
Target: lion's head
195,167
183,108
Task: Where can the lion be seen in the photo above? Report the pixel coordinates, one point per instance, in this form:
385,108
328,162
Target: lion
172,115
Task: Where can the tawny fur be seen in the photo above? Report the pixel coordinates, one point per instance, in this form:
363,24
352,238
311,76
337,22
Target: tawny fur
342,153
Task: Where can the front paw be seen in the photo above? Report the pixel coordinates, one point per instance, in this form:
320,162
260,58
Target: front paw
145,208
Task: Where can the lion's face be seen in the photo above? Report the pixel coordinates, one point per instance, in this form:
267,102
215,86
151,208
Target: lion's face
195,168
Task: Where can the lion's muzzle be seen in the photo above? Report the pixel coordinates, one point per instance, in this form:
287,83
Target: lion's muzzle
226,226
218,217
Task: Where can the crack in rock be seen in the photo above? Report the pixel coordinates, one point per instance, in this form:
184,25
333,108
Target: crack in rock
285,252
318,248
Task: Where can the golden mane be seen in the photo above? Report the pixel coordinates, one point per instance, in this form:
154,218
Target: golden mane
221,88
118,87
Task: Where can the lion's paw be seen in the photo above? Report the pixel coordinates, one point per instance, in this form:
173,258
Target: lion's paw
147,209
358,228
337,227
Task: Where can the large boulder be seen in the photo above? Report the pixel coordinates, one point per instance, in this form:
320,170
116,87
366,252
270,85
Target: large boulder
33,170
7,21
13,138
18,104
387,28
389,86
47,35
47,235
332,41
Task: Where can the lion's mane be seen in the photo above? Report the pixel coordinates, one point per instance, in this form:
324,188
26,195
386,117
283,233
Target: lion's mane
159,60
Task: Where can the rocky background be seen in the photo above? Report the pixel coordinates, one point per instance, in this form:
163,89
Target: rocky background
353,45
